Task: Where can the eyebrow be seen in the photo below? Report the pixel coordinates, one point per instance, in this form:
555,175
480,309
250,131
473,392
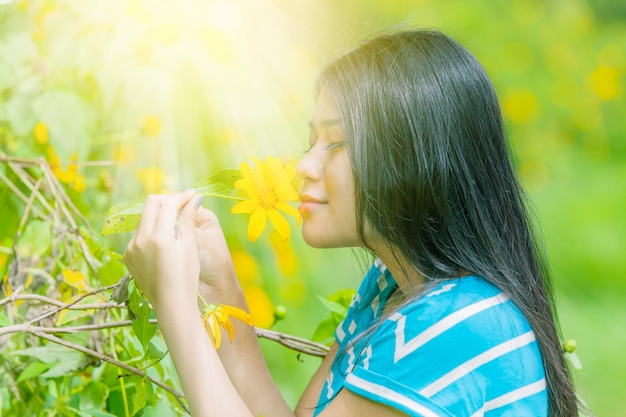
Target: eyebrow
325,123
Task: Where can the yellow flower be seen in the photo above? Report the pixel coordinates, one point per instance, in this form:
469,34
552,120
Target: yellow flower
152,179
40,132
216,315
151,126
71,175
269,188
260,305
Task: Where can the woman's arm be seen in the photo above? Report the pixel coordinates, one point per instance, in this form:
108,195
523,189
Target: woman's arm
163,258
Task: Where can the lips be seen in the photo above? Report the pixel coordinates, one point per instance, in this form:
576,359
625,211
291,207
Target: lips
309,204
305,198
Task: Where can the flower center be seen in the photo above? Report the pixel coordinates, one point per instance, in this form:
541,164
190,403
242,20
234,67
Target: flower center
268,198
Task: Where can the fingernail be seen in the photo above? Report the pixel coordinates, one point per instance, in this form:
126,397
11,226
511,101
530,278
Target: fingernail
199,201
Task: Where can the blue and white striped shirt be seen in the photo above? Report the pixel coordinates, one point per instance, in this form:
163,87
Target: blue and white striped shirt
461,349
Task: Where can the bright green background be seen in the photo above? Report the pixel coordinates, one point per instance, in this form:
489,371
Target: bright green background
230,80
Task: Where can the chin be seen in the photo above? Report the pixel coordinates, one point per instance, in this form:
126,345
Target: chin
324,241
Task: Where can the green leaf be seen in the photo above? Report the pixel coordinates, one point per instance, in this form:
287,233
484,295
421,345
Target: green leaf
221,183
97,413
141,395
325,331
144,330
66,366
93,395
333,306
121,219
112,270
35,240
4,320
153,353
63,359
32,370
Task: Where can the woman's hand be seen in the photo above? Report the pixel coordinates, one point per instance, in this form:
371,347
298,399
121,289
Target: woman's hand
218,282
162,255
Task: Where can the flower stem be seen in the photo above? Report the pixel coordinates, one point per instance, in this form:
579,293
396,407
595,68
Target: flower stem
204,303
227,197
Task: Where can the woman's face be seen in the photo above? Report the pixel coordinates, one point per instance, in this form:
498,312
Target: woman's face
328,198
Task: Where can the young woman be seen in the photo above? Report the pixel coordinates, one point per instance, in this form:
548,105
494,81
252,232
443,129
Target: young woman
408,160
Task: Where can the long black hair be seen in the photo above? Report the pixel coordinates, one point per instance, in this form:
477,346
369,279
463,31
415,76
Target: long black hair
433,177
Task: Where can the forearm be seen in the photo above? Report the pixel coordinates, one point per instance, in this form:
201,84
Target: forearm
243,359
207,387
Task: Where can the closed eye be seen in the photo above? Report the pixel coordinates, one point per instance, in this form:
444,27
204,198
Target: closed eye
334,145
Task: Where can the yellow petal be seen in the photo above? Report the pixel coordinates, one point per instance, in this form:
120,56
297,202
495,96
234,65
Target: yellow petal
289,172
287,192
248,186
215,331
258,219
238,313
247,206
228,326
266,178
279,223
290,210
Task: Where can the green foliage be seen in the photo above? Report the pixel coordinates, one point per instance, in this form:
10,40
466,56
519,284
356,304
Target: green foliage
337,305
122,99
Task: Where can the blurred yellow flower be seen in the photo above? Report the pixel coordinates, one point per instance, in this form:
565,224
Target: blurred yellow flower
605,82
216,315
260,305
246,267
520,106
151,126
40,132
285,255
152,179
70,176
269,188
124,153
76,279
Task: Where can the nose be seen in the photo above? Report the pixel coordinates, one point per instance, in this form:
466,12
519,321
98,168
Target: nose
309,168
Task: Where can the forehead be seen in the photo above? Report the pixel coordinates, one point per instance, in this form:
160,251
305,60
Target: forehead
325,113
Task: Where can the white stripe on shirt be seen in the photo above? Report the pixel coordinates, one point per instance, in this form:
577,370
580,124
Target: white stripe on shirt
511,397
515,395
404,349
476,361
386,393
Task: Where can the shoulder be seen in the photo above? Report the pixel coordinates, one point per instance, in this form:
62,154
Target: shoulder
457,345
460,317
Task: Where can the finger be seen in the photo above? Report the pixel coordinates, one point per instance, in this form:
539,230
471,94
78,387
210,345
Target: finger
148,215
187,218
204,217
165,223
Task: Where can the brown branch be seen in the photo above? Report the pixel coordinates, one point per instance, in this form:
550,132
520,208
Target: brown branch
56,310
28,181
21,196
42,298
34,330
294,343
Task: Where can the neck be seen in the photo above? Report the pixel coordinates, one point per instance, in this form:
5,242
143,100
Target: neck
406,275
